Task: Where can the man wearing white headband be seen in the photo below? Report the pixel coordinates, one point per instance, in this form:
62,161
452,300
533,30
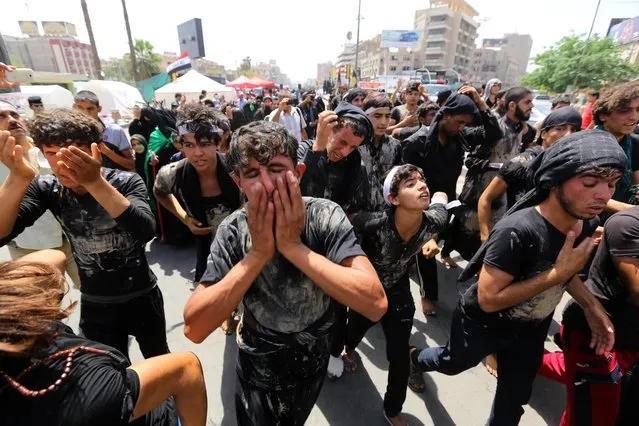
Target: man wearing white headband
391,238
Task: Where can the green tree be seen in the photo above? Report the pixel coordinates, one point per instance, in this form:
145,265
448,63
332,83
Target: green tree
117,69
147,61
246,64
573,61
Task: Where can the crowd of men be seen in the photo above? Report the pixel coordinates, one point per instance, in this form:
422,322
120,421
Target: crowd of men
308,218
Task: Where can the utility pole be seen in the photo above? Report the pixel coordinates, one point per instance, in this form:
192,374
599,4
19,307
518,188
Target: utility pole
594,18
134,65
359,18
94,49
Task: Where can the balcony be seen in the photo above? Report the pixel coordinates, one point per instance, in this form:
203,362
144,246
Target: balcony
434,50
437,37
434,63
432,25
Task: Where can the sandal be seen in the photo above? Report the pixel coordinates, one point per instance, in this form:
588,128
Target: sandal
416,377
428,307
350,361
490,362
389,420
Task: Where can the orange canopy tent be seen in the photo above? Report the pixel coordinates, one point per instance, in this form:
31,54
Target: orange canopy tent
242,83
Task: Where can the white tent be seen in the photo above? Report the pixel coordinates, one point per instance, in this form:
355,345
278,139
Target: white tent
191,85
53,96
115,95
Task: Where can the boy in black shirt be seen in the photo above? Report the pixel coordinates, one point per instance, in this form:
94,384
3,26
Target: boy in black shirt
391,239
526,264
106,216
284,258
594,378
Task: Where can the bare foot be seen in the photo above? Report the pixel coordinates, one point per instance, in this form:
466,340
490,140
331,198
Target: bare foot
428,307
350,361
449,262
397,420
490,362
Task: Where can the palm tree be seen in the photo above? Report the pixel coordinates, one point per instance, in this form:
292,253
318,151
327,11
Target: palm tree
134,65
148,62
94,49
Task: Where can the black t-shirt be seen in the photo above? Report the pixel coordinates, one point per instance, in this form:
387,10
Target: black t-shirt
406,132
378,160
523,245
620,239
109,251
343,182
283,298
387,251
518,175
100,390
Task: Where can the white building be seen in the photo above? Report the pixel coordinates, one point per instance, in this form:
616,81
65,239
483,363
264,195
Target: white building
506,59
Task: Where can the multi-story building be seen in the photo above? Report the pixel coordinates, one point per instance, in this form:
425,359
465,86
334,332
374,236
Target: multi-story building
505,58
53,54
272,72
374,60
324,71
449,32
347,57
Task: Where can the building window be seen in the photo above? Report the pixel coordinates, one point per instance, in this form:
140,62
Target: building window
393,68
393,58
405,68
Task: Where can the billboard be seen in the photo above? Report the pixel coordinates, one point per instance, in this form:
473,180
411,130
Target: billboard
29,28
191,38
626,31
400,39
493,43
55,28
71,29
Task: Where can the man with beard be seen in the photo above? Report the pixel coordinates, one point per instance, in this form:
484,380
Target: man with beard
115,145
265,109
483,163
306,257
439,151
531,257
45,233
334,168
105,214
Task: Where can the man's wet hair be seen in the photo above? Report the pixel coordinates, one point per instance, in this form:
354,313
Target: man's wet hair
617,98
87,96
359,128
403,172
602,172
63,127
413,86
425,108
376,100
515,95
261,141
560,100
203,121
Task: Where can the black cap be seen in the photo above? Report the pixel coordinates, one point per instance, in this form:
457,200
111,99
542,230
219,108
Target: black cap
34,100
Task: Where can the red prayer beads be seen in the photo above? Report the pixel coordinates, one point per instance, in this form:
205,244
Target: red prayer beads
69,353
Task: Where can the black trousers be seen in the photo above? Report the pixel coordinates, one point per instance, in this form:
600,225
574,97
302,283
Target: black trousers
339,328
427,277
113,323
397,324
519,353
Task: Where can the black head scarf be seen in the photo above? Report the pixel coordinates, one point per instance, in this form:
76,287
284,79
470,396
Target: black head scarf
345,109
456,104
162,118
561,116
568,157
353,93
140,158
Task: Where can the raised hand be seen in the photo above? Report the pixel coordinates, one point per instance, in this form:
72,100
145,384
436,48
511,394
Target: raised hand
290,213
77,165
12,156
260,214
572,259
326,121
4,81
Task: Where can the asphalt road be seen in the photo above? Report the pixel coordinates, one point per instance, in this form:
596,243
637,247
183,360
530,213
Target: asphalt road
355,399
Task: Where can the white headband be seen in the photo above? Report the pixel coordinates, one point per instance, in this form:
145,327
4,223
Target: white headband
387,184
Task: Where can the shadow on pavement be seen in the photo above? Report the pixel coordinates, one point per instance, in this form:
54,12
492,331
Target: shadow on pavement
436,410
171,259
548,400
